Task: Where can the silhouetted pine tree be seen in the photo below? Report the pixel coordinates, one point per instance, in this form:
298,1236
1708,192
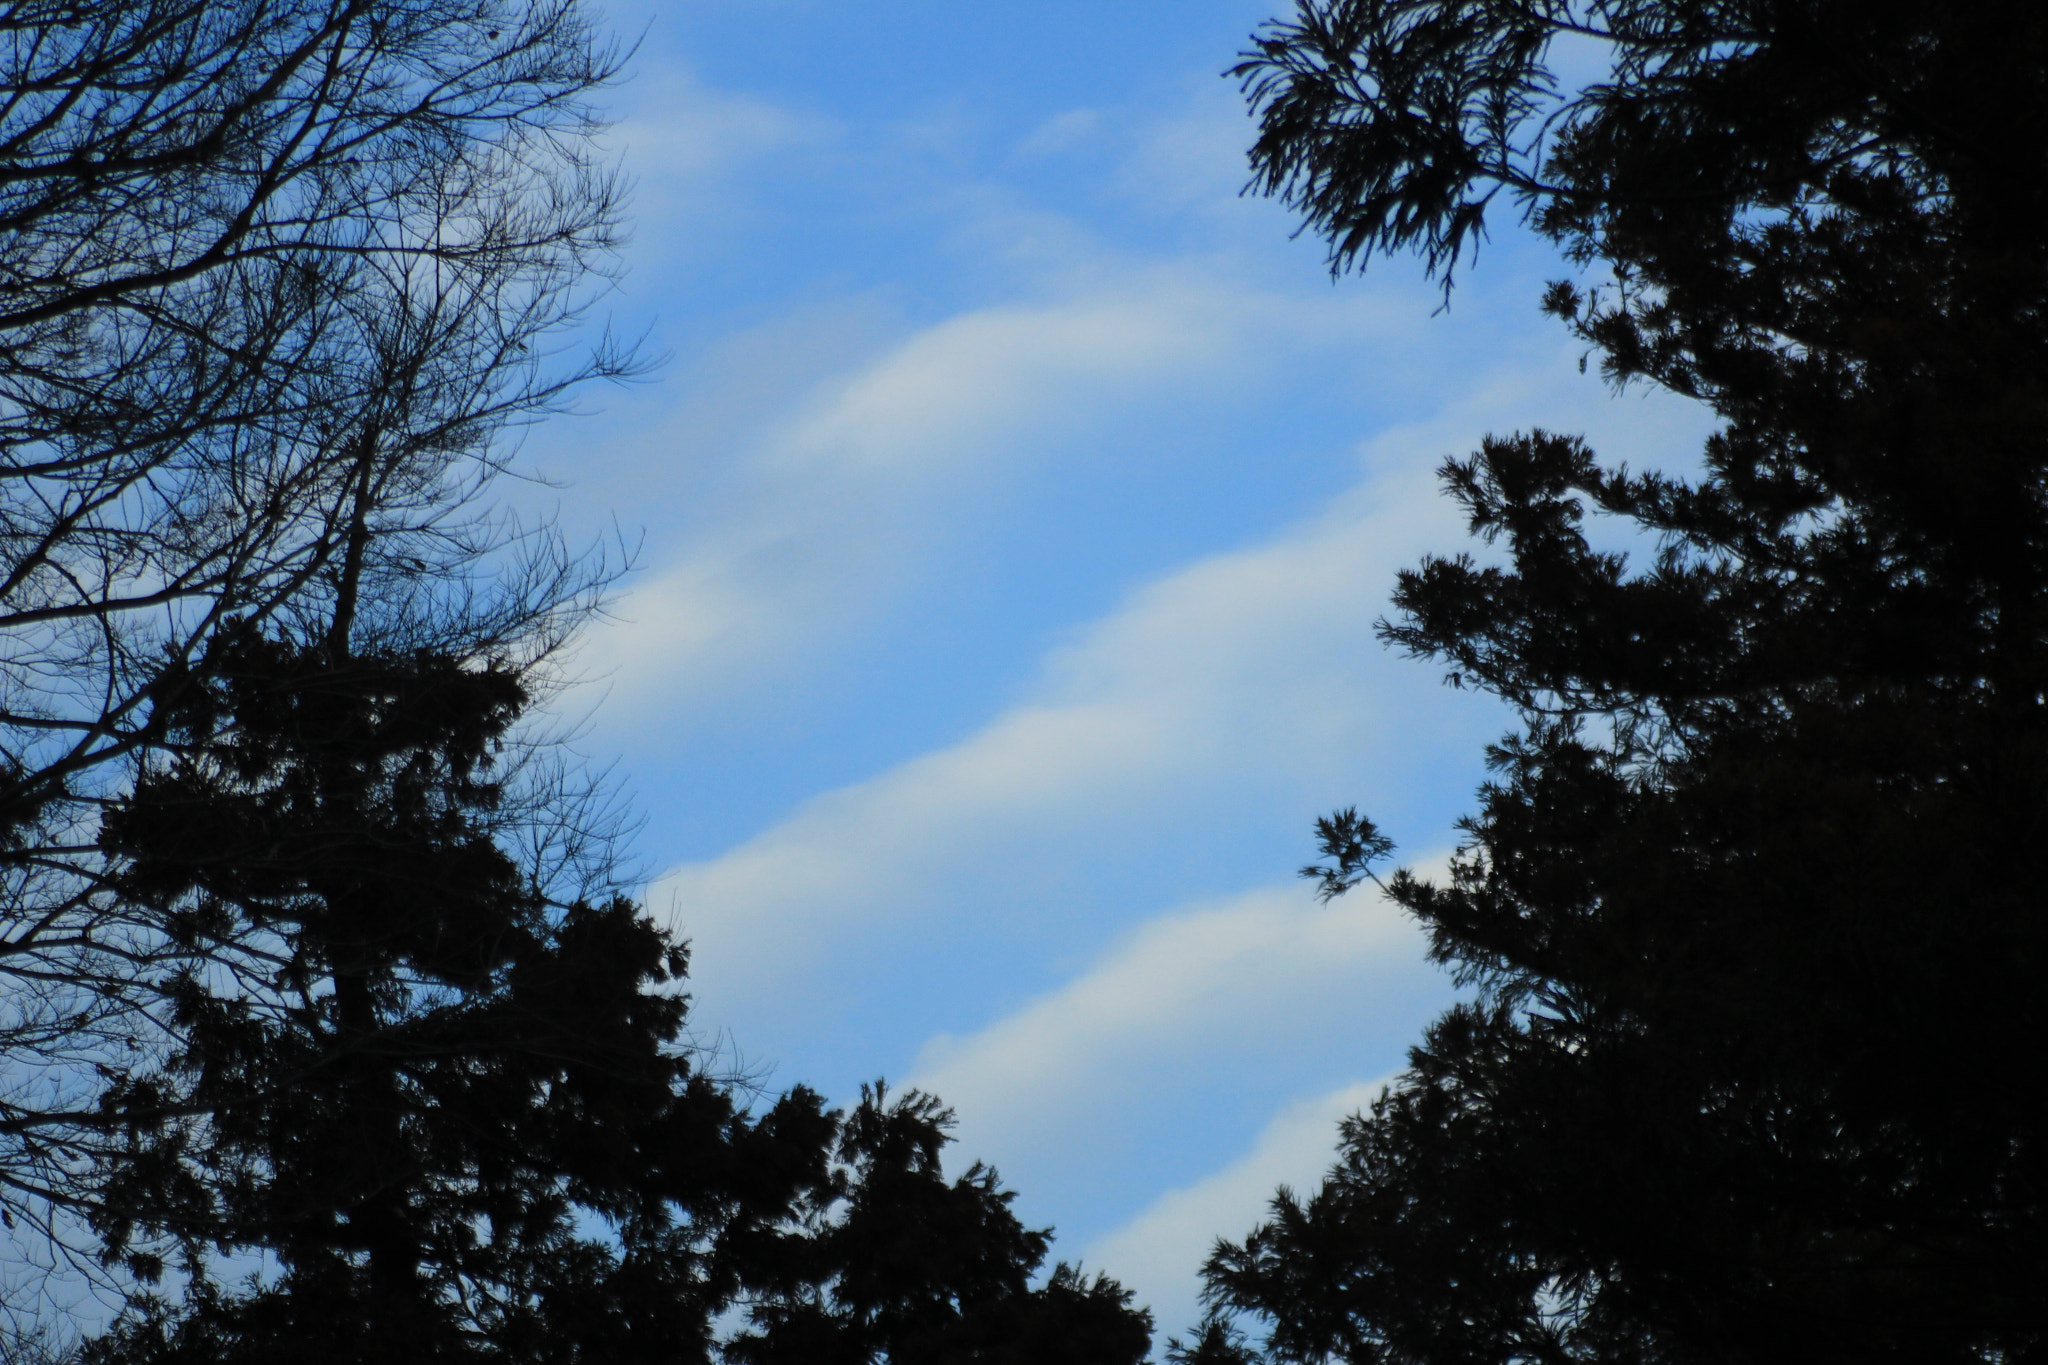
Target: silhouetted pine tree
1754,900
892,1263
455,1117
249,370
439,1118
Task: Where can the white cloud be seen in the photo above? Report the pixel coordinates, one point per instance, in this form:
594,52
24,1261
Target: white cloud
941,396
702,164
833,508
1216,1003
1060,132
680,130
1159,1253
1250,662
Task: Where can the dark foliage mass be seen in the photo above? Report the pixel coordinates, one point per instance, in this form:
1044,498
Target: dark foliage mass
425,1087
1754,900
890,1262
327,1032
462,1121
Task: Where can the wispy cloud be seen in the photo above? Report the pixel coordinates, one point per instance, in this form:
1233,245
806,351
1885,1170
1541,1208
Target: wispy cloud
1250,662
1214,985
1159,1253
944,395
831,509
1169,1049
1060,132
685,130
678,130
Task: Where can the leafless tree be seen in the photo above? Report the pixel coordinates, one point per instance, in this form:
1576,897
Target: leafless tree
278,277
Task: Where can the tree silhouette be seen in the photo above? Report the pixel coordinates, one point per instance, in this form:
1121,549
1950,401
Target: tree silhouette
278,277
462,1120
402,1072
888,1262
1751,900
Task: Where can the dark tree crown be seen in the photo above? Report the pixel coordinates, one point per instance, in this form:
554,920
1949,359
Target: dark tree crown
1751,899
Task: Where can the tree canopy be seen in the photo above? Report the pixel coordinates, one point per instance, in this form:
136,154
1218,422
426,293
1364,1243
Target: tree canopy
1752,902
278,278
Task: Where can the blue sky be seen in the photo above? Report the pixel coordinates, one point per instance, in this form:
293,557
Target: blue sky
1014,506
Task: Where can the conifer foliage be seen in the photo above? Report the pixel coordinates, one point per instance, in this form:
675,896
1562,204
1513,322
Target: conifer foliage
423,1084
463,1121
888,1261
1753,900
